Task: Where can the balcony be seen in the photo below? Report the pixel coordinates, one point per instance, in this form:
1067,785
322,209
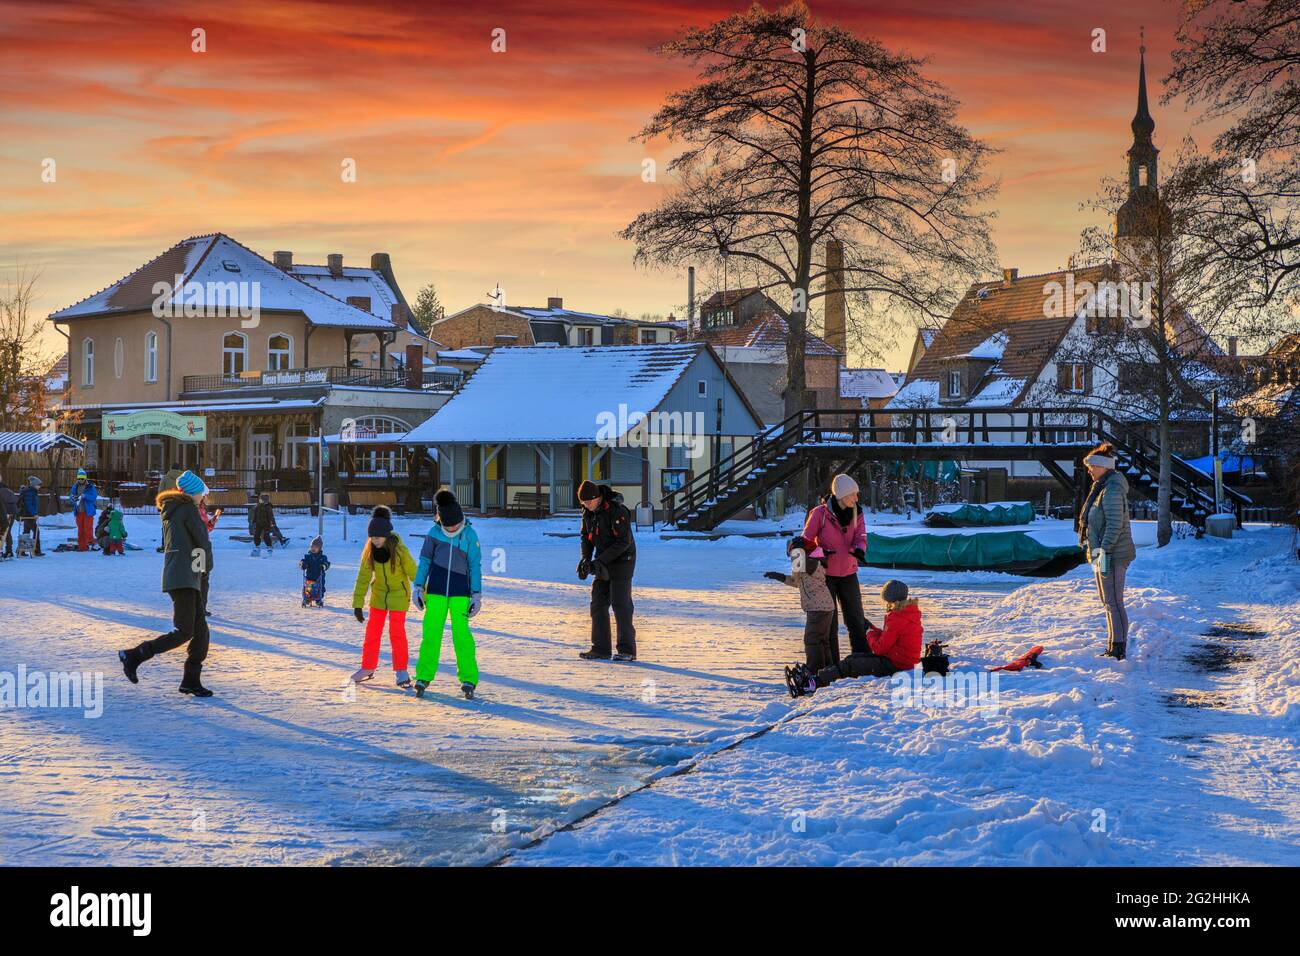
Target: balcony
336,375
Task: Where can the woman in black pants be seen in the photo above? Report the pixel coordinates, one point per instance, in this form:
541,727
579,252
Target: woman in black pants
838,527
187,562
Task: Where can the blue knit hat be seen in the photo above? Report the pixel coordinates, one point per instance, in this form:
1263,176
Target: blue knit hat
192,485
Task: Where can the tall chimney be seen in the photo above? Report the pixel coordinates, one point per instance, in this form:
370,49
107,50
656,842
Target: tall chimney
415,366
335,260
283,260
555,302
690,301
400,318
833,320
1232,346
1008,277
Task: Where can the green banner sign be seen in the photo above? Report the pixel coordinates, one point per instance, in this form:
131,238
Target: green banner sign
180,427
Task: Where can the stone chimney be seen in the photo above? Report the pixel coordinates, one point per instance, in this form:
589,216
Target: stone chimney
1232,346
335,260
399,315
833,311
415,366
1008,277
283,260
555,302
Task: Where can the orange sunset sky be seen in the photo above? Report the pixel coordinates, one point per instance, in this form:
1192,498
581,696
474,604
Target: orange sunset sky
476,168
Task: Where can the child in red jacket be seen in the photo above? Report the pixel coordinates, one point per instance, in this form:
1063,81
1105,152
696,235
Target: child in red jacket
895,647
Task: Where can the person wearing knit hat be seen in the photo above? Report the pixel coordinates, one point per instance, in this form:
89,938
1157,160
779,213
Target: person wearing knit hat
838,526
187,568
894,647
1107,540
386,571
82,499
449,586
314,564
609,556
263,527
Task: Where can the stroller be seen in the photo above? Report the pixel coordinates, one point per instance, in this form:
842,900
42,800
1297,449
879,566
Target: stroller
313,592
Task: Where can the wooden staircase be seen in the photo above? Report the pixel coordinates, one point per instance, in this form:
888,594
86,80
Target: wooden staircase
846,436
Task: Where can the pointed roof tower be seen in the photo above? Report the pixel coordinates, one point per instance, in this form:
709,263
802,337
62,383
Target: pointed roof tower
1143,213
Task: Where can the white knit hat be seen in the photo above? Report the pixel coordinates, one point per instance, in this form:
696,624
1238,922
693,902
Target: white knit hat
1101,461
842,486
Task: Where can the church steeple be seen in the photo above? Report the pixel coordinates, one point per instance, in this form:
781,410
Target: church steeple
1141,213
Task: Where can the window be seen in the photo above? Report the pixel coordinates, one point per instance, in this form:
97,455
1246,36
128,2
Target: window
1142,176
234,354
119,357
379,461
954,384
1132,376
648,337
300,447
88,362
702,388
151,356
1072,377
279,353
588,336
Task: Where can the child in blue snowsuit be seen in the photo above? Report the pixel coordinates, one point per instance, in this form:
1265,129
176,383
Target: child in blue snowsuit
314,564
448,583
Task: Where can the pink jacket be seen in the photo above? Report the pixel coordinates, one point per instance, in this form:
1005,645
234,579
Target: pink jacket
824,528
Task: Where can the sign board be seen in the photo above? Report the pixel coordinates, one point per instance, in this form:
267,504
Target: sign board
300,377
181,427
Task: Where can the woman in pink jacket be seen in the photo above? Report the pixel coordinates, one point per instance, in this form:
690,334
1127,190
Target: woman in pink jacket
838,527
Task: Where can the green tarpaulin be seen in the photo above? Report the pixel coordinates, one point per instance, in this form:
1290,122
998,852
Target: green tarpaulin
978,516
984,551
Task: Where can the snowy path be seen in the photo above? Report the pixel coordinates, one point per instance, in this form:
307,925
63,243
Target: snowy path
287,766
1185,755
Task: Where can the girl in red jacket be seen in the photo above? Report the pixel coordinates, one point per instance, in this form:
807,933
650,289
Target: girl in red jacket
895,647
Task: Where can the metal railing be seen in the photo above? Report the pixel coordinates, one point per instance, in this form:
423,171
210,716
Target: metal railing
325,375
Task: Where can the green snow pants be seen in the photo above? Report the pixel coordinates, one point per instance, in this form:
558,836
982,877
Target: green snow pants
436,609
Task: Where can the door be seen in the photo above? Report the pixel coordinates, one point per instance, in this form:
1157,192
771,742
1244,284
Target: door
261,454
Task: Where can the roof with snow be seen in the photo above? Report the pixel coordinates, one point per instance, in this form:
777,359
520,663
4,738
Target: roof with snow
535,394
867,383
767,331
354,282
209,265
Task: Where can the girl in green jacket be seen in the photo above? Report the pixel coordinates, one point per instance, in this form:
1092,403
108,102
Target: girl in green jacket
386,571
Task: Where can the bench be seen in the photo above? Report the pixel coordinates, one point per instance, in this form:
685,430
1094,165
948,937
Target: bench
228,499
290,499
369,498
537,503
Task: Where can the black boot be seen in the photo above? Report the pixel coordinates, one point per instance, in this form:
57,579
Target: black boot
131,660
190,683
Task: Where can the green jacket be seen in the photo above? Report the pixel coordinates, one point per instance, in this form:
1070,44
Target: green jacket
184,537
389,582
116,526
1105,524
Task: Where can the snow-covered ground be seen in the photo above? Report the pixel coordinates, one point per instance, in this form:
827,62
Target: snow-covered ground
1088,761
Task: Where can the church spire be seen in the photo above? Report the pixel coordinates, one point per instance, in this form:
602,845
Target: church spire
1142,213
1143,125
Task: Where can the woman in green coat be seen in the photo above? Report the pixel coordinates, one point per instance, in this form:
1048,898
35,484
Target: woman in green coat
386,571
1105,536
187,562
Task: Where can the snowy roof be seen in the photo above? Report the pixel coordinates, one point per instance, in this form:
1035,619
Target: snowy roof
211,266
461,355
918,393
991,349
1000,390
290,405
36,441
555,395
355,282
866,383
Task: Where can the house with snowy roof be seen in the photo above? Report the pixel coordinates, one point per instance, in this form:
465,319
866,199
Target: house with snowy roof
533,422
498,324
270,358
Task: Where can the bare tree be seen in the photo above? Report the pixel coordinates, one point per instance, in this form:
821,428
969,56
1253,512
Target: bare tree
23,363
798,132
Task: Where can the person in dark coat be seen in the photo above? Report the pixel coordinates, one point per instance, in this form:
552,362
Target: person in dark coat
609,556
187,564
8,517
264,527
29,509
1105,536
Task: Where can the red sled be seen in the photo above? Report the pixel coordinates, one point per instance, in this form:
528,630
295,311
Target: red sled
1028,659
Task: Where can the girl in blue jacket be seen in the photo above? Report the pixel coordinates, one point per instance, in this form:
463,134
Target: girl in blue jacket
449,581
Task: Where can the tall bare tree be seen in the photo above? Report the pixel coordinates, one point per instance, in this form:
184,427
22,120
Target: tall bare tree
798,132
23,363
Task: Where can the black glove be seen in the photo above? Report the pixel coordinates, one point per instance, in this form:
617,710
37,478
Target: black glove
361,617
584,569
418,597
601,570
775,576
860,554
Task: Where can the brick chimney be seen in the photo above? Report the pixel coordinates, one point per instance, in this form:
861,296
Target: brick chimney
283,260
399,315
555,302
335,261
415,366
1232,346
380,262
833,311
1008,277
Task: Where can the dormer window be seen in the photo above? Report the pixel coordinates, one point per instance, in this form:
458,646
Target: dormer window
230,265
954,384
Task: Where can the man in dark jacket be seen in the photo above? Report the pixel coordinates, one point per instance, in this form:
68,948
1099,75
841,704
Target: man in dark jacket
264,527
29,509
609,555
8,517
186,567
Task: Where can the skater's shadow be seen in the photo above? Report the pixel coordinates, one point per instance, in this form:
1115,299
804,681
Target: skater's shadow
518,712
